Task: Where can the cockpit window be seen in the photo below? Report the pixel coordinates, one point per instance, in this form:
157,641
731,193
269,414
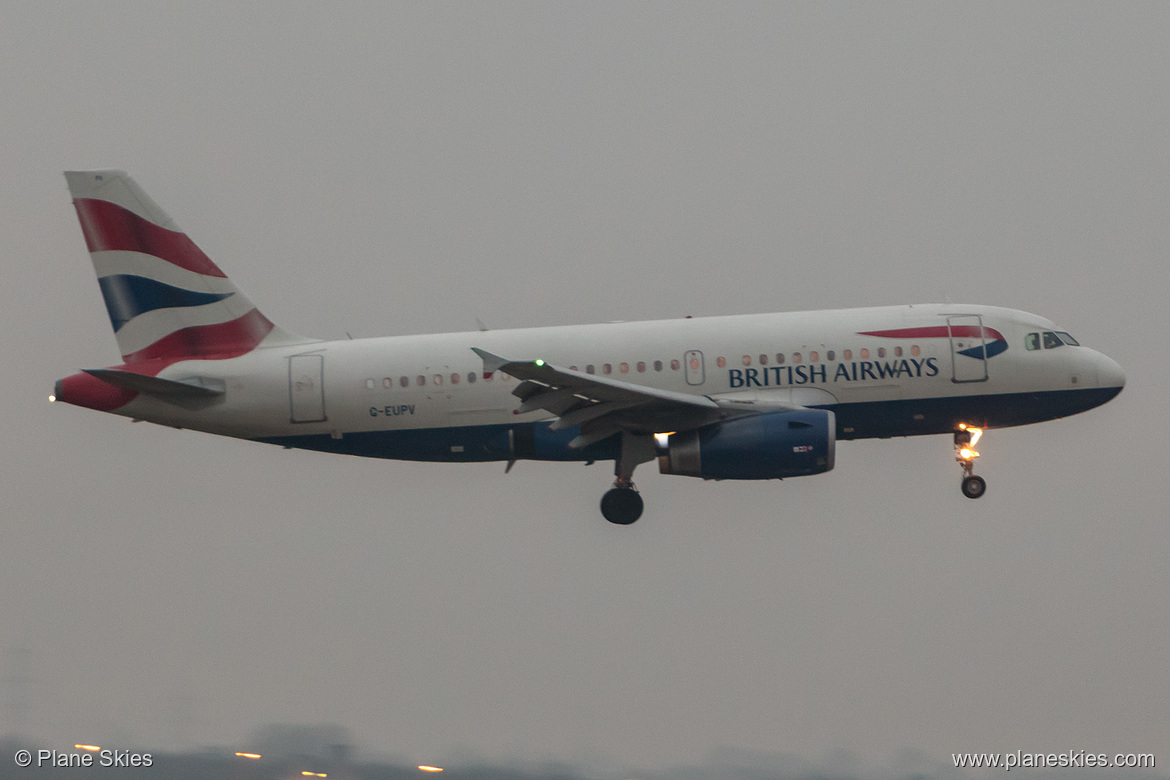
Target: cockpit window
1067,339
1051,340
1032,341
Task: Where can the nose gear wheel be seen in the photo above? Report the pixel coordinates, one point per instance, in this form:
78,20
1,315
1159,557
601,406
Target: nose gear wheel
973,486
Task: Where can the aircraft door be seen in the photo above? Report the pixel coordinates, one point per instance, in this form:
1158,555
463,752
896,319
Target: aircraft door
968,348
306,388
694,366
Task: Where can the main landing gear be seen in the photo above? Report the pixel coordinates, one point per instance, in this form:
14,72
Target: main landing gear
973,486
622,505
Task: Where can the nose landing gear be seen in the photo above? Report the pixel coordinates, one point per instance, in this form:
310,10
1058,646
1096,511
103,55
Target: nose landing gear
973,486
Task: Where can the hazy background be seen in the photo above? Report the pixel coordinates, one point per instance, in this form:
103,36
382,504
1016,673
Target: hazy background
406,168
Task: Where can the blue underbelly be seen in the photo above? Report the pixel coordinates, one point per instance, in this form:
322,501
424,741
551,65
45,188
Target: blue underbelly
535,441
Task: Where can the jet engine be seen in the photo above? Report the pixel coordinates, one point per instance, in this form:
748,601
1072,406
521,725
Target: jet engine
791,443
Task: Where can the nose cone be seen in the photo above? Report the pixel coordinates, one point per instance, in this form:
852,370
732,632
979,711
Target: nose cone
1109,373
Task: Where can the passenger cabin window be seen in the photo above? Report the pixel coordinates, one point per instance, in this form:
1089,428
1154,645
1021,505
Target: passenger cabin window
1051,340
881,351
454,379
796,357
369,384
589,369
606,368
422,380
404,381
657,365
674,365
1032,341
763,360
641,367
915,351
831,355
721,362
847,354
897,352
747,360
624,368
471,378
864,353
814,356
387,382
779,358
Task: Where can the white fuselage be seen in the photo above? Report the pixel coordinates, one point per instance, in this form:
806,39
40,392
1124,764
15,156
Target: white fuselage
874,383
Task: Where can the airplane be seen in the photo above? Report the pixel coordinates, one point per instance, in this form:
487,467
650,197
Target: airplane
746,396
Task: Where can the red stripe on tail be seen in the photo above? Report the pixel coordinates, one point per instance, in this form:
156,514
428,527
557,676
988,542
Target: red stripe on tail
108,226
208,342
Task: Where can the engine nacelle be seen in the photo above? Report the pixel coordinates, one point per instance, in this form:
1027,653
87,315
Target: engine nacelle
776,445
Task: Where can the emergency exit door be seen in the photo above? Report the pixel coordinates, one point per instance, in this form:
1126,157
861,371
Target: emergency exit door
306,388
694,366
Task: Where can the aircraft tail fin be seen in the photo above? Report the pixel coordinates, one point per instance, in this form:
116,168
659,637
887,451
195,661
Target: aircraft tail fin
165,297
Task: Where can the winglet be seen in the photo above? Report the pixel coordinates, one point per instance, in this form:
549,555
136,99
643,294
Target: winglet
490,362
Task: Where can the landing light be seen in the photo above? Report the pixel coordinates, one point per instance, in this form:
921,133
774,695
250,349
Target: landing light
424,768
248,755
968,454
90,748
52,398
662,438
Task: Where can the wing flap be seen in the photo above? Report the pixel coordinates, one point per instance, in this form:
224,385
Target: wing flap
592,412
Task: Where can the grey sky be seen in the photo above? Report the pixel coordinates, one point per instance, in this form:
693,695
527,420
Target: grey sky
401,168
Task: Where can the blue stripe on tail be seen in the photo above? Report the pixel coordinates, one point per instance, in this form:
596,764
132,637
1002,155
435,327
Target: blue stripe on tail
127,296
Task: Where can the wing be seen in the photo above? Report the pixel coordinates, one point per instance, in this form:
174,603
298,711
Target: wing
601,406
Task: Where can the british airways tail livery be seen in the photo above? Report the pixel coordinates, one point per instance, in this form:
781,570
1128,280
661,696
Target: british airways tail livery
758,396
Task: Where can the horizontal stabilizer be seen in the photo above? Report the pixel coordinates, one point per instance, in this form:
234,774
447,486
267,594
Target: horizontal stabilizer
188,390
